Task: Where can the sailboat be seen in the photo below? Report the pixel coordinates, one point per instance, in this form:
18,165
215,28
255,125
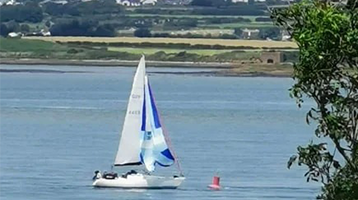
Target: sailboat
142,142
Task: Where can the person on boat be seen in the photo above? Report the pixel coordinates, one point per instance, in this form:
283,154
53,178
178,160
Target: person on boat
129,173
97,175
133,172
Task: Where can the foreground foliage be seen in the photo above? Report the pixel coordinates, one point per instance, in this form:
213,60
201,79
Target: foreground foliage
327,73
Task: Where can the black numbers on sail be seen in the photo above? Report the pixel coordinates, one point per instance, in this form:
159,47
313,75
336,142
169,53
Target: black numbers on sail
134,112
135,96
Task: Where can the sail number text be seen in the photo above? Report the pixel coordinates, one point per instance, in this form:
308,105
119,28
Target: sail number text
135,96
134,112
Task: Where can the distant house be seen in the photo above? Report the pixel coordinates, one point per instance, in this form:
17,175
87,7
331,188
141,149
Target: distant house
149,2
10,3
54,1
250,33
241,1
45,33
285,36
246,1
174,2
14,35
2,2
136,2
129,2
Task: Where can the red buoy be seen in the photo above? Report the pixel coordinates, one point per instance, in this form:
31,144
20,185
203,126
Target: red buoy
215,185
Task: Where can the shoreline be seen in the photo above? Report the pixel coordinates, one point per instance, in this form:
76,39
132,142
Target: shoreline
218,69
118,63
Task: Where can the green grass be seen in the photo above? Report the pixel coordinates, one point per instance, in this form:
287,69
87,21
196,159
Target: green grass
31,48
239,25
226,54
206,52
252,18
21,45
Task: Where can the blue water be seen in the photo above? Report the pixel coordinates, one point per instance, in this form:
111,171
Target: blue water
57,128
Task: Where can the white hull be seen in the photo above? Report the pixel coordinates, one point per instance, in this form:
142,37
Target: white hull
140,181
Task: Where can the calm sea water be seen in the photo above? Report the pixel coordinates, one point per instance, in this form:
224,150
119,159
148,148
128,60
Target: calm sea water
57,128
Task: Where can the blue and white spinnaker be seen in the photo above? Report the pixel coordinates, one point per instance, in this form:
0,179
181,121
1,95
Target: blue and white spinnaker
154,149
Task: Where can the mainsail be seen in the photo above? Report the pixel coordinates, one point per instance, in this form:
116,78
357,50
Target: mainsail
154,149
130,146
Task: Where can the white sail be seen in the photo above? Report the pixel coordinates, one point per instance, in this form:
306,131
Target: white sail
129,146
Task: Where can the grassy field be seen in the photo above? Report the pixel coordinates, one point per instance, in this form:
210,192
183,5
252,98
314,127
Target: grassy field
19,45
223,42
201,31
239,25
241,55
207,52
34,48
252,18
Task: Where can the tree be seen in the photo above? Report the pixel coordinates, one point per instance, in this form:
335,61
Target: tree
202,3
327,73
105,30
21,13
48,24
142,32
81,8
238,32
4,31
211,3
82,28
13,26
221,3
272,33
25,28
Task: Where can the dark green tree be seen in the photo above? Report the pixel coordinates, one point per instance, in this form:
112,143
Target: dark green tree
142,32
272,33
327,73
221,3
25,28
82,28
21,13
13,26
209,3
4,31
238,32
201,3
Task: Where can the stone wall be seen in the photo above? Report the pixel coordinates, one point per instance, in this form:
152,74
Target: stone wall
271,57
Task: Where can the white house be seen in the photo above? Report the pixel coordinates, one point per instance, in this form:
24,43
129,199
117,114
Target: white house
11,3
246,1
14,35
129,2
45,32
250,33
136,2
149,2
